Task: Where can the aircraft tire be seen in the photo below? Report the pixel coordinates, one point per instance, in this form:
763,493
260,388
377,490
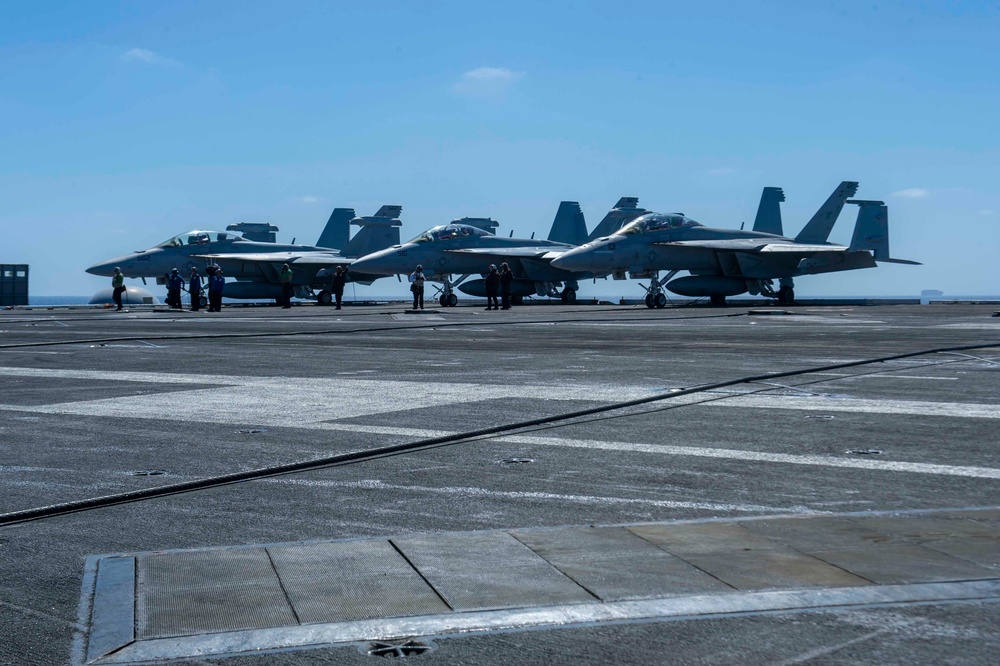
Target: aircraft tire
517,300
203,302
717,299
786,295
649,300
324,298
452,300
660,300
569,296
443,300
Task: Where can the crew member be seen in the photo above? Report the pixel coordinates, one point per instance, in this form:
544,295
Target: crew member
194,289
337,284
118,287
417,287
216,285
506,279
174,285
285,278
492,288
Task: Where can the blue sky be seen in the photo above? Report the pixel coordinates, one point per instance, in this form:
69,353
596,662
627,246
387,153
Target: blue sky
122,124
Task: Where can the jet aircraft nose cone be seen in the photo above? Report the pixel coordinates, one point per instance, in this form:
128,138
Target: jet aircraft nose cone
105,268
569,261
376,263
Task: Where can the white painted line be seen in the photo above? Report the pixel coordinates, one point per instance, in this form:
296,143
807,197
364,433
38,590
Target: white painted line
680,608
375,484
314,403
846,374
695,451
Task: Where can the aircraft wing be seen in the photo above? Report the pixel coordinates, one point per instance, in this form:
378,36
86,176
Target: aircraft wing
296,258
754,245
542,252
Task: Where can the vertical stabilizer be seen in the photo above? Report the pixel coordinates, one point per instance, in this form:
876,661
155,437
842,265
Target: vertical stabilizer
337,230
818,229
768,218
626,210
871,231
377,232
569,225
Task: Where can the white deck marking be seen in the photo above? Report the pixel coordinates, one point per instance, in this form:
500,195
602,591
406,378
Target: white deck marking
315,403
375,484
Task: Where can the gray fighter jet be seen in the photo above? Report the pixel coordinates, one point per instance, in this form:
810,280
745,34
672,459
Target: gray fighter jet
467,246
727,262
256,264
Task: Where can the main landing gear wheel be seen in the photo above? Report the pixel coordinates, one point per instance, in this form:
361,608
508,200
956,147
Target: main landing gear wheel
659,300
649,301
717,299
786,295
569,296
452,300
324,298
443,300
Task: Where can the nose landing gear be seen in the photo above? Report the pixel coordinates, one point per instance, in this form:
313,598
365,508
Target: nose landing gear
655,298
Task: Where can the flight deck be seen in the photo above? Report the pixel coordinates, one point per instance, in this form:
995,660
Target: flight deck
564,484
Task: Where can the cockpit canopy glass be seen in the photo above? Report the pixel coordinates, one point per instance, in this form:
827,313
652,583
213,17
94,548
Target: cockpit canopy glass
657,222
200,238
449,232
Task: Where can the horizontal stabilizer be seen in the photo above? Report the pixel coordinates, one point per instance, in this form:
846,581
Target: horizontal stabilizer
890,260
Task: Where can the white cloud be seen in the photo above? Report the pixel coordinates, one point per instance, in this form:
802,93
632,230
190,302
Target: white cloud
912,193
987,211
145,55
486,82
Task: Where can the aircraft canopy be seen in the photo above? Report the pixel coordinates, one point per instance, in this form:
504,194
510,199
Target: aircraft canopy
651,222
449,232
200,238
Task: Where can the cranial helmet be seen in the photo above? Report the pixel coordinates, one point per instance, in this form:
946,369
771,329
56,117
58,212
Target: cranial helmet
175,271
419,267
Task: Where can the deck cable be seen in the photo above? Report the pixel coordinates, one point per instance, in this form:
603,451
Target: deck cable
39,513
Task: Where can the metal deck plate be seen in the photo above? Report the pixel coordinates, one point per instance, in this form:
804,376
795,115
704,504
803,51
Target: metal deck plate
209,590
488,570
355,580
615,564
703,538
896,564
757,570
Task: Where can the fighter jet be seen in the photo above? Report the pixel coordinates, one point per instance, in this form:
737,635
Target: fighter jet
467,246
256,264
727,262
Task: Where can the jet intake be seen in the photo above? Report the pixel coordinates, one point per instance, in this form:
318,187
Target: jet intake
707,285
517,288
